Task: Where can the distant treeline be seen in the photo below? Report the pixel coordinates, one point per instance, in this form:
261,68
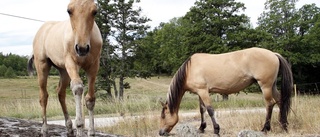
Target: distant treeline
12,65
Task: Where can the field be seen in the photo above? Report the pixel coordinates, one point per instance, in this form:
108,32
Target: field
19,98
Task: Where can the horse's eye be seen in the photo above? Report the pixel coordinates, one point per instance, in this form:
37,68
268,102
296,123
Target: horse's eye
69,12
94,13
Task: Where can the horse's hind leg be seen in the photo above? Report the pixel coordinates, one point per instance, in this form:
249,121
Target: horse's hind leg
276,96
43,69
203,109
270,102
61,89
204,95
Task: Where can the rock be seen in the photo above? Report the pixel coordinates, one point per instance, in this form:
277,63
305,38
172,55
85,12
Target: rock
251,133
13,127
185,130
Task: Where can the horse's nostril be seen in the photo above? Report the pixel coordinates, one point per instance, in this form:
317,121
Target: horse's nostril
77,48
162,133
88,48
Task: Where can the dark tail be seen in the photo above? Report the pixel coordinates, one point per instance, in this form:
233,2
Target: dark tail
176,89
286,90
30,65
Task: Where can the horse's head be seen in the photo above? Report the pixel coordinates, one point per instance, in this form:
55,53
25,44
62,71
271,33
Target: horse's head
168,120
82,14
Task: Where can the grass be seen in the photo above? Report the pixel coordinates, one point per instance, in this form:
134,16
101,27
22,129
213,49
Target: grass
303,121
19,98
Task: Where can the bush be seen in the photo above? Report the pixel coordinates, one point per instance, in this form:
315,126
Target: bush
10,73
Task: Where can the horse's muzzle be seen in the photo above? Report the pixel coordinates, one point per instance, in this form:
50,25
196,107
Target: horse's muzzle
162,132
82,51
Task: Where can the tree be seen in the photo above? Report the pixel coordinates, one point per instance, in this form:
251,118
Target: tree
17,63
308,54
10,73
211,26
106,79
215,24
124,26
292,35
278,20
147,59
171,38
3,70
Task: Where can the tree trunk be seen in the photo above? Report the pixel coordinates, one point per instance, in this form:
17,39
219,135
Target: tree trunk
121,88
108,89
115,89
225,97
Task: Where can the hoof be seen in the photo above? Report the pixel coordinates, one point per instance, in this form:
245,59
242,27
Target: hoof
200,130
202,127
266,129
44,131
216,135
216,129
80,133
91,133
69,128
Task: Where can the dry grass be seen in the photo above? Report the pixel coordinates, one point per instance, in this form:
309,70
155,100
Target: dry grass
19,98
303,119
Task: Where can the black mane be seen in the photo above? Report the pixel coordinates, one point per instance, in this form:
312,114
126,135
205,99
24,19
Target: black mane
176,90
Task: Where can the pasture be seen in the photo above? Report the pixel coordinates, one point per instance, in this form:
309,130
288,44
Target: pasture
19,98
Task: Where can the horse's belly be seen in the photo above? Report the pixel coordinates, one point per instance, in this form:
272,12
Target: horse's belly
56,57
230,87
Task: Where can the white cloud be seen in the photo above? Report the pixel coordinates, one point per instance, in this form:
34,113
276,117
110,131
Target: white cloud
23,50
16,34
164,10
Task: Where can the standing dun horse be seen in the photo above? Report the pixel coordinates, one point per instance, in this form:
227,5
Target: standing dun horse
69,46
229,73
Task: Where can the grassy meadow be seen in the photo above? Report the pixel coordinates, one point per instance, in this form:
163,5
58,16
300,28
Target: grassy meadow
19,98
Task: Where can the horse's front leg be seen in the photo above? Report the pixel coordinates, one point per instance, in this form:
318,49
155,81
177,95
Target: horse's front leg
61,90
90,97
76,86
203,109
77,89
204,95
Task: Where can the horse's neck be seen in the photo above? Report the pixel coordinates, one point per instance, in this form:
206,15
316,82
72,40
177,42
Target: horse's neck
174,98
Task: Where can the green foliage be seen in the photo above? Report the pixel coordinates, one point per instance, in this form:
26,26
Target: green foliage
294,34
3,70
121,25
216,22
10,73
210,27
12,65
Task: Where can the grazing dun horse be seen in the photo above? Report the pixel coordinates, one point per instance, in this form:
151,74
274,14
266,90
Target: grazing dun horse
69,46
229,73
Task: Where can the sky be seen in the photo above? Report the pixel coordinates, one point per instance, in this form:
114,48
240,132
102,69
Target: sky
16,34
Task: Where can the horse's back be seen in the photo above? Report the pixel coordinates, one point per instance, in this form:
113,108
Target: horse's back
43,32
